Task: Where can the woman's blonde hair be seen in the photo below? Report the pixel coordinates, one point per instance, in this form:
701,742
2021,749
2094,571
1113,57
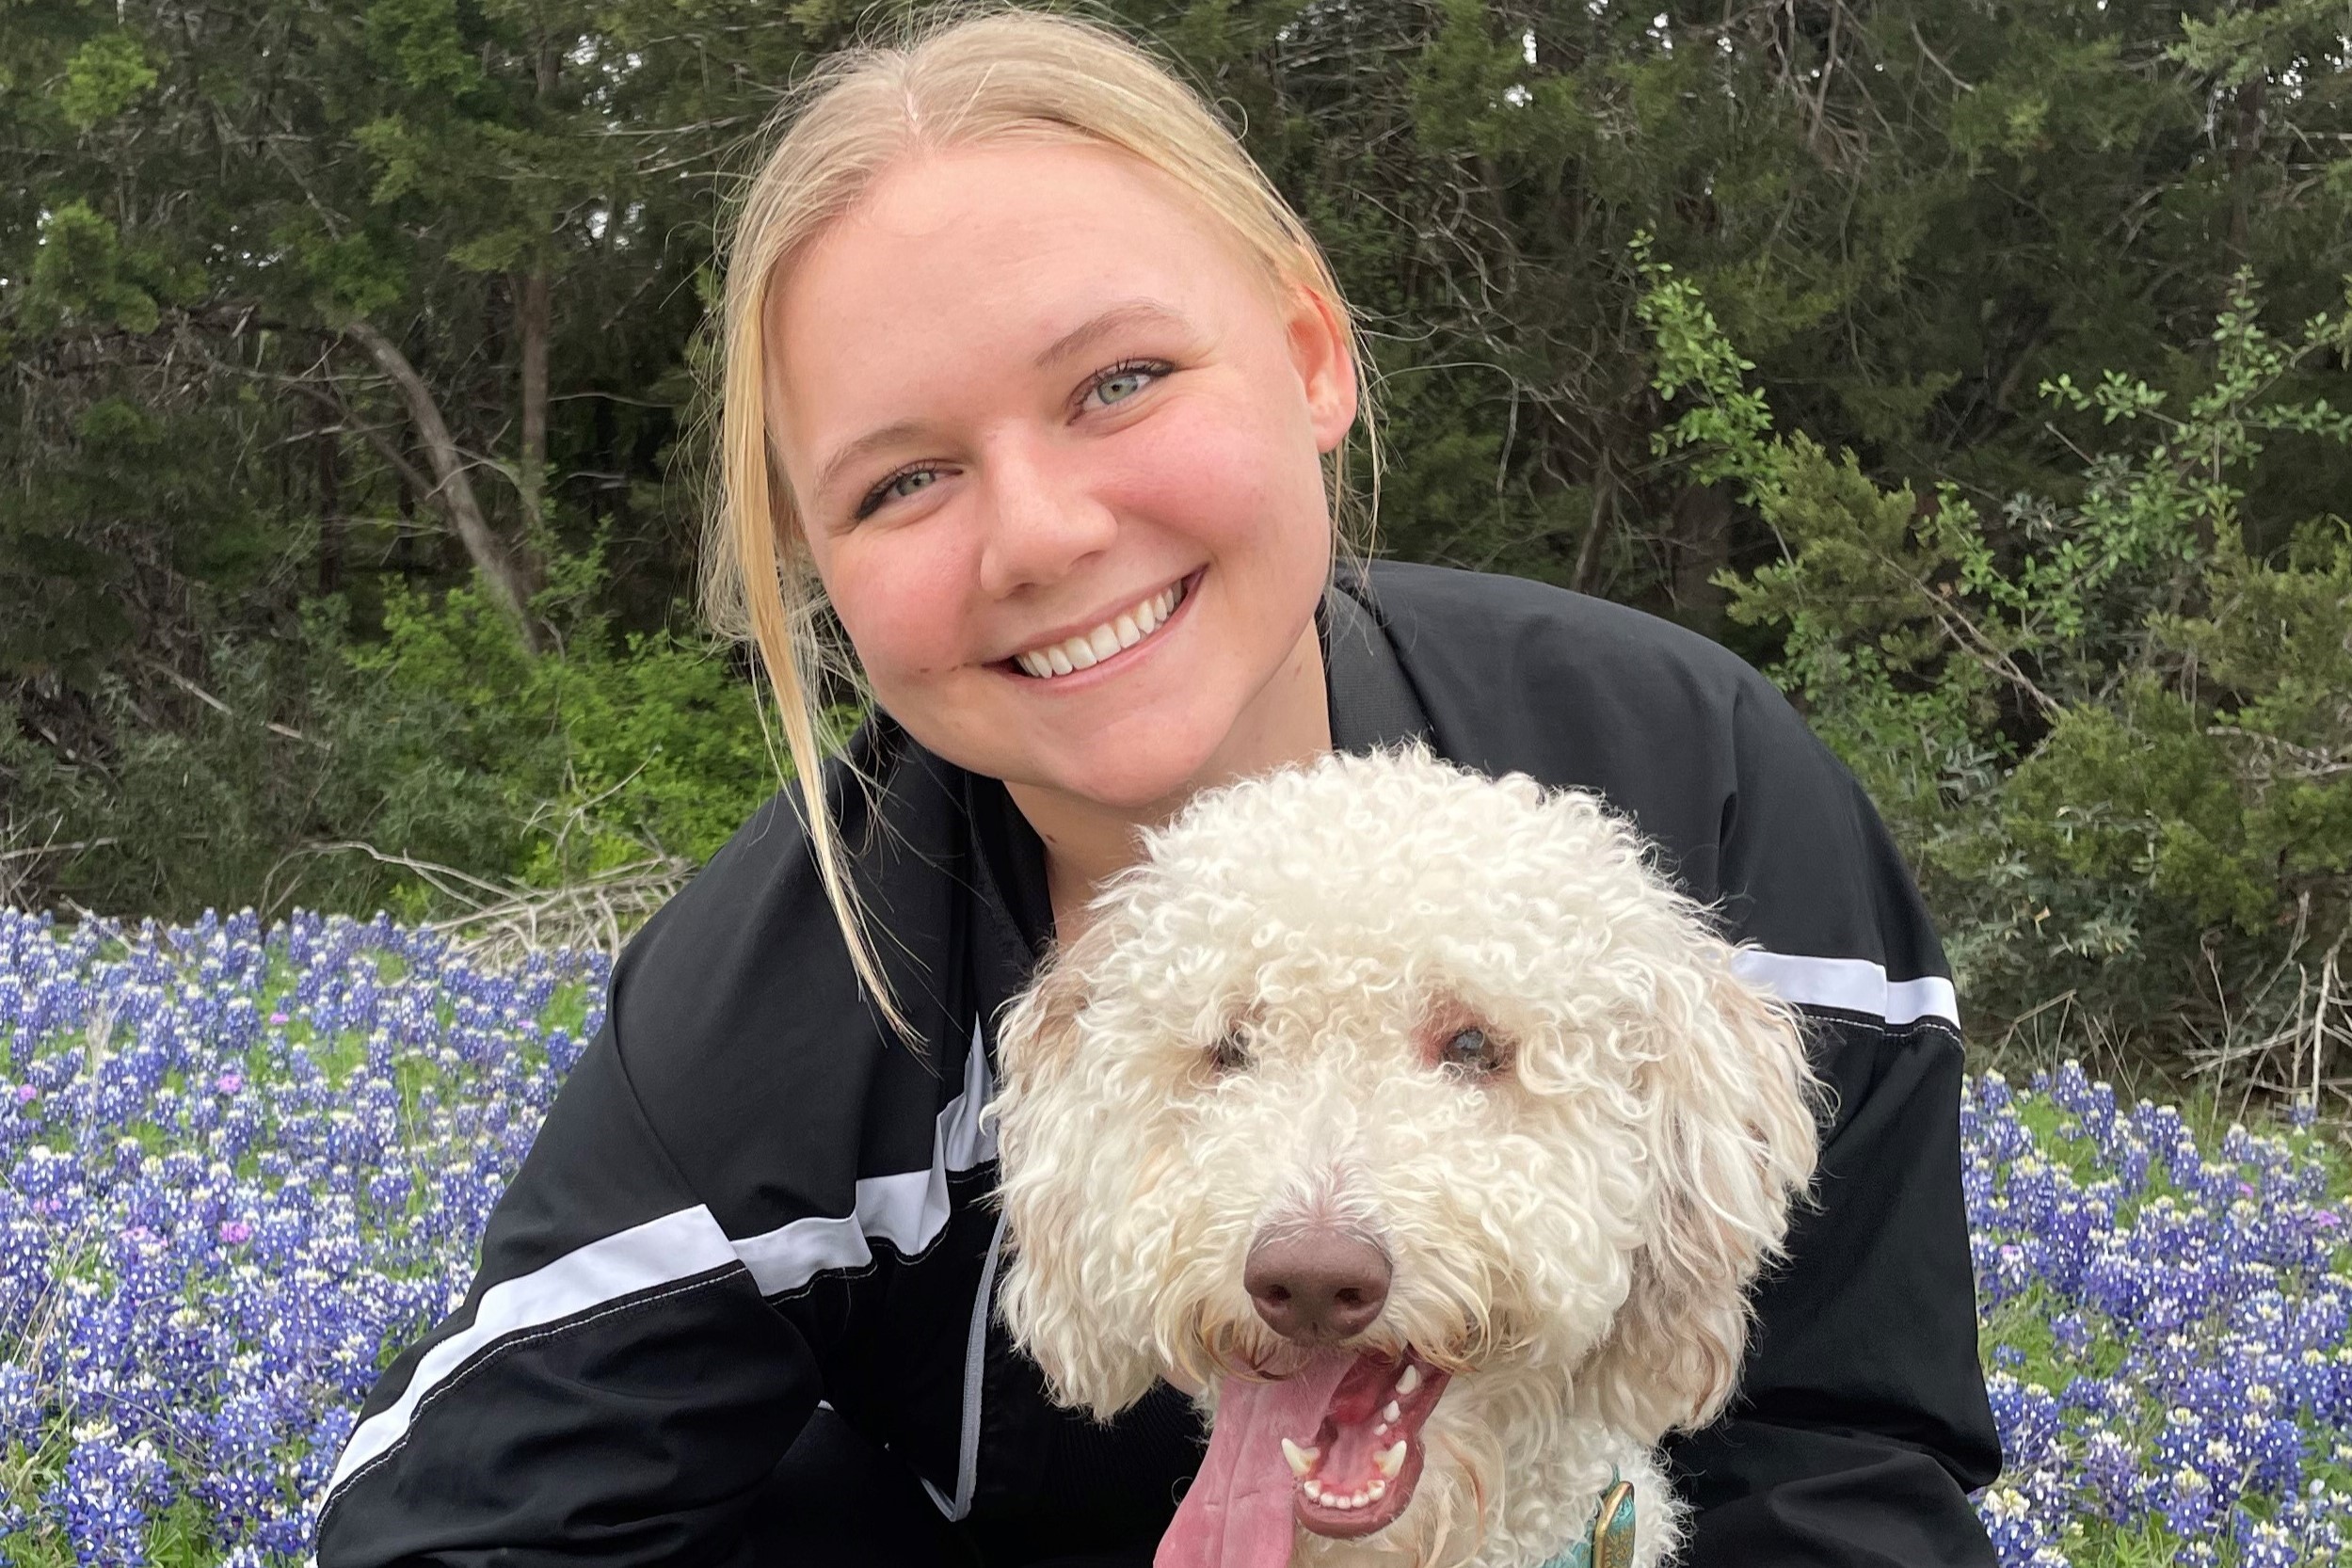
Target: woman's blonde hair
957,78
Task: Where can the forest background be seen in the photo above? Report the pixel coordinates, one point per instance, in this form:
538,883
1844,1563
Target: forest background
1977,367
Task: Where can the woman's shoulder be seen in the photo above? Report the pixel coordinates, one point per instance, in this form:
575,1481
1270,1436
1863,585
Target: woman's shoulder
1454,620
1506,661
746,1035
756,916
1671,728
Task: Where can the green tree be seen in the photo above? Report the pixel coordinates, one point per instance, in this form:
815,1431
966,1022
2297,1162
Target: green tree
300,310
2114,732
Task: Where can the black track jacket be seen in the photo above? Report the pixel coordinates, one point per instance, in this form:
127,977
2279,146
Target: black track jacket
747,1199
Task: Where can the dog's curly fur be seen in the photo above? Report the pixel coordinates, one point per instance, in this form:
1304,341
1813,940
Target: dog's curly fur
1240,1038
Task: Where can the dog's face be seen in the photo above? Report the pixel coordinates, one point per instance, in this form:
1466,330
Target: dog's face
1405,1110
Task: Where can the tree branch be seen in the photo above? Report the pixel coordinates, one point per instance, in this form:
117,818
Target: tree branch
508,579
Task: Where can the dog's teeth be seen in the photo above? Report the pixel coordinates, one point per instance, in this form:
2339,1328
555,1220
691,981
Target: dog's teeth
1410,1381
1376,1491
1302,1460
1390,1459
1392,1414
1313,1489
1381,1431
1360,1499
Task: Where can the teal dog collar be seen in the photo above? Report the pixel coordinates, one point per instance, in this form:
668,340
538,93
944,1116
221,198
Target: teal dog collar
1610,1545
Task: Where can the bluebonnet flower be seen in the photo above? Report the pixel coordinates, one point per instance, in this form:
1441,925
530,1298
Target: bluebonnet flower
105,1496
2196,1322
243,1166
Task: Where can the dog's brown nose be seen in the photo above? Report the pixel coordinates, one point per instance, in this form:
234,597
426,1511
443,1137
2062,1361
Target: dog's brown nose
1316,1285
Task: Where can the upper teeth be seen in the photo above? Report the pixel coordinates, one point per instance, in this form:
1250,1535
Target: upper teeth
1124,629
1410,1380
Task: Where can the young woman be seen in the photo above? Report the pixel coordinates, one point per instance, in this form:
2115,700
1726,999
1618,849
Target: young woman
1032,376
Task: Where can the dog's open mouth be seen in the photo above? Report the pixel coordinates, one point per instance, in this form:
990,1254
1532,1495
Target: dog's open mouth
1359,1472
1336,1448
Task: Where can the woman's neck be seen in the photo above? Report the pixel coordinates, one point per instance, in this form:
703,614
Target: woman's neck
1087,843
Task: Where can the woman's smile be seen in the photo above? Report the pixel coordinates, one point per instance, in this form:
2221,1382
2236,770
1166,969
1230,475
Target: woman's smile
1111,645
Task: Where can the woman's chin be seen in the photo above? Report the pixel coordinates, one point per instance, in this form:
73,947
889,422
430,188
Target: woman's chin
1142,763
1145,785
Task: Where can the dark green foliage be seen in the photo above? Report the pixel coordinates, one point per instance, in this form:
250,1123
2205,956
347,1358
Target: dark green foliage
333,339
2116,735
443,742
599,751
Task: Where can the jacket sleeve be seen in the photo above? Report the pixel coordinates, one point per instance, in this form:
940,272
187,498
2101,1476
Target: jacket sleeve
1861,1423
613,1390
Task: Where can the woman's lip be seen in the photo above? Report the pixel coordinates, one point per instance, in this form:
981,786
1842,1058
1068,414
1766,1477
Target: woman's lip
1082,629
1103,670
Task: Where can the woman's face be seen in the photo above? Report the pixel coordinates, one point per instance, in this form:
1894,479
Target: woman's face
1028,401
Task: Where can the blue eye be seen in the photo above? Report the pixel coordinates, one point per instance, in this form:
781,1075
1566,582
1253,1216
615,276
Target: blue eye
897,488
1123,381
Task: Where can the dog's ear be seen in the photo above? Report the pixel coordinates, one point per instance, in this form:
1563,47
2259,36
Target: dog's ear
1045,1112
1732,1139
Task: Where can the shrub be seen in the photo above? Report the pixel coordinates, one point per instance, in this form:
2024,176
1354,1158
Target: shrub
2113,728
337,771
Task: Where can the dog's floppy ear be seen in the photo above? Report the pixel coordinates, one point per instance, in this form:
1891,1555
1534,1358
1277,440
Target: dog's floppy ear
1043,1109
1732,1139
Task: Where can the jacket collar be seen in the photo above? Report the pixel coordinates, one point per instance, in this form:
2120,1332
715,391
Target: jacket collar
1372,703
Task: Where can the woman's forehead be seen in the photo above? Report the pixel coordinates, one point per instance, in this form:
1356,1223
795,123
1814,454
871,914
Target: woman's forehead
992,255
998,235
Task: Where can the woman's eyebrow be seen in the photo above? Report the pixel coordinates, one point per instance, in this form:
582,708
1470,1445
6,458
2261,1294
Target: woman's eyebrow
1133,312
863,444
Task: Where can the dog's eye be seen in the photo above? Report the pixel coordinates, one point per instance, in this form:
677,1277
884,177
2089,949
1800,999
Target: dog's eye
1231,1053
1472,1049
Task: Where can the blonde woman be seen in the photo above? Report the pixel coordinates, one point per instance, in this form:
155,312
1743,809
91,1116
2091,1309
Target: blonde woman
1037,382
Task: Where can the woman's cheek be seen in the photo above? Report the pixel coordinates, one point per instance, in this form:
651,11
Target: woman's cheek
1204,471
900,594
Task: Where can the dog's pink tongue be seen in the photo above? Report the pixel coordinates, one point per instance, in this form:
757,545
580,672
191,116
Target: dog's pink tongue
1237,1514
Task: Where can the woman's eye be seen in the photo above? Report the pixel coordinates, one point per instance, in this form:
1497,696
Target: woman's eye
1121,386
898,488
1472,1049
1122,382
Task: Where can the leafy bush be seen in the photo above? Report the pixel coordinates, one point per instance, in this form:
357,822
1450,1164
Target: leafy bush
599,752
2112,728
342,771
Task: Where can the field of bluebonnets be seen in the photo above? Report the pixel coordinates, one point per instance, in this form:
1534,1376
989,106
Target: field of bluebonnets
246,1164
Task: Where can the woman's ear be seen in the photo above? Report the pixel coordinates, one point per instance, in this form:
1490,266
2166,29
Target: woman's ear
1318,336
1050,1189
1731,1140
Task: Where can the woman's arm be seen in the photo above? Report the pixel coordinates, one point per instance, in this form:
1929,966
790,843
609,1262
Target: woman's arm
1861,1423
614,1388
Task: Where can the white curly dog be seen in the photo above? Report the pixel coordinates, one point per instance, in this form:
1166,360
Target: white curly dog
1420,1125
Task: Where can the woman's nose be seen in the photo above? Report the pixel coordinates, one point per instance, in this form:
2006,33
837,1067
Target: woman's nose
1040,522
